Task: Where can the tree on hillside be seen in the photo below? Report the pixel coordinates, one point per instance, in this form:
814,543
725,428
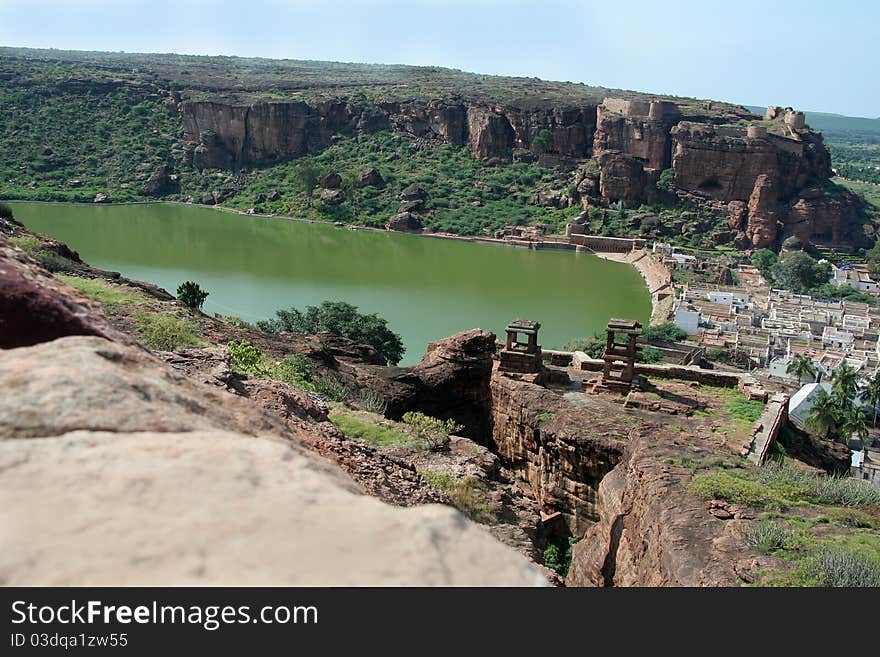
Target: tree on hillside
192,295
871,393
543,140
801,366
666,332
823,417
845,384
798,272
764,260
874,259
342,319
853,423
307,176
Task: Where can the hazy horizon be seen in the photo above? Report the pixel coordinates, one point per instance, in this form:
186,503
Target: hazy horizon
743,58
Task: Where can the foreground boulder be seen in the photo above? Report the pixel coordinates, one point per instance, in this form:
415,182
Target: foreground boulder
116,469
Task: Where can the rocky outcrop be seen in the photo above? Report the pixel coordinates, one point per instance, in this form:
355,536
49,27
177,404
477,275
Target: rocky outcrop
622,179
141,476
371,178
651,533
36,307
636,128
405,222
546,444
762,213
160,182
829,216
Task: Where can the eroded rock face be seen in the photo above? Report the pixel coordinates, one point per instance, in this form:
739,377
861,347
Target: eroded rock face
36,307
219,508
143,476
538,437
622,179
639,129
722,163
650,533
761,228
826,217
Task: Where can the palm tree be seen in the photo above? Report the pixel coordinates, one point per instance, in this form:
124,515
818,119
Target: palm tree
801,366
871,393
824,416
846,383
854,424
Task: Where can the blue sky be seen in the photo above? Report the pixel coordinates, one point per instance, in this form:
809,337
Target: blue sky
820,56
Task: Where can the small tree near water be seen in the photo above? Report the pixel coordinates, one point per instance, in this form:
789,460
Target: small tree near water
192,295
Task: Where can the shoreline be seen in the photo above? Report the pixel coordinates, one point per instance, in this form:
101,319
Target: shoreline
654,282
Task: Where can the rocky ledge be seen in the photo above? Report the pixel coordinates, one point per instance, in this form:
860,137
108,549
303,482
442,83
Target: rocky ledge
117,468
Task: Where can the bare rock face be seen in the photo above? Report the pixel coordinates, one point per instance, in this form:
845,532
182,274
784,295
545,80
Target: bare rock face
35,306
330,180
761,229
637,128
332,196
538,437
826,217
141,476
160,182
491,135
723,162
650,533
371,178
622,179
404,221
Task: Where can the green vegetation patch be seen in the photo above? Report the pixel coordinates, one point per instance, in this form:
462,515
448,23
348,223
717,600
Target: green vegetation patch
469,495
104,292
780,486
47,258
295,370
165,331
371,433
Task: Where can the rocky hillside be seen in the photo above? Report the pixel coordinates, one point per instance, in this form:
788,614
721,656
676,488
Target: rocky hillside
389,140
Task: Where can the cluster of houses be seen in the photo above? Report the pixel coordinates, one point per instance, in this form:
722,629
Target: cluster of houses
763,328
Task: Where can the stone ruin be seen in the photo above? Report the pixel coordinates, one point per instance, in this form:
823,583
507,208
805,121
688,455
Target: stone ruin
618,373
522,357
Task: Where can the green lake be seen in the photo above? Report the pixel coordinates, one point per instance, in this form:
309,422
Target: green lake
426,288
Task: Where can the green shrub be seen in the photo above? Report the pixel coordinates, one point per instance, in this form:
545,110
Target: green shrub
166,332
48,259
731,486
430,430
593,346
469,495
838,567
332,389
371,401
846,491
192,295
342,319
5,212
778,485
667,332
557,555
369,432
295,369
767,536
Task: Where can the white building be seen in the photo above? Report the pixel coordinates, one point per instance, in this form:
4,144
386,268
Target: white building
687,318
860,280
837,338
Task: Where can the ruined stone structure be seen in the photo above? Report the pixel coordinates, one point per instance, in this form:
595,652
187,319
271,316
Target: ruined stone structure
620,357
522,357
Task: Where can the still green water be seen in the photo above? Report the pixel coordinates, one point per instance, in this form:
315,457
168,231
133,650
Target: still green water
426,288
